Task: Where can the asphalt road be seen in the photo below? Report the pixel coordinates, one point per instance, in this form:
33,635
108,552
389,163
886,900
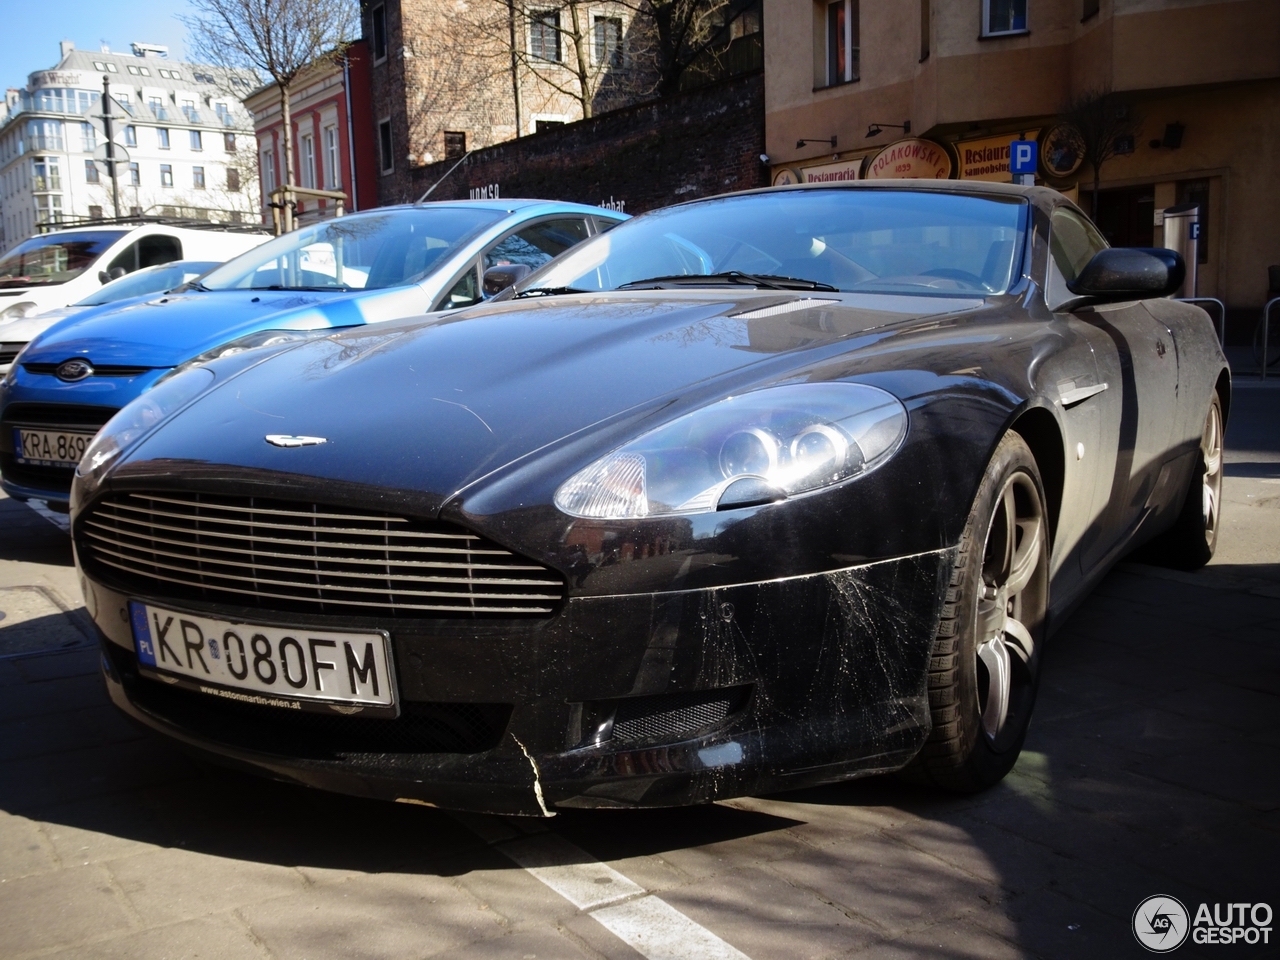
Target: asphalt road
1152,767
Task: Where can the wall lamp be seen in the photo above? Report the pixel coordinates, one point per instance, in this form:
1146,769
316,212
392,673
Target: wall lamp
875,131
832,141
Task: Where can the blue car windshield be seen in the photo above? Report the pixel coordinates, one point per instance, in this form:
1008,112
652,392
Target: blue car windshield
155,279
56,258
359,252
868,240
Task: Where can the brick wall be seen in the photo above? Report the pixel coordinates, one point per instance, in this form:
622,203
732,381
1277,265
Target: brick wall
697,144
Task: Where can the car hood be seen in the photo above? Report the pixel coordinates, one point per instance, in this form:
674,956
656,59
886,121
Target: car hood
432,407
166,330
24,331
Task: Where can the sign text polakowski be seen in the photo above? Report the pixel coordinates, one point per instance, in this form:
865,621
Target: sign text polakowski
911,159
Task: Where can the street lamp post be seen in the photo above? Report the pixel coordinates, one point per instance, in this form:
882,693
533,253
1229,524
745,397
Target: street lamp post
111,146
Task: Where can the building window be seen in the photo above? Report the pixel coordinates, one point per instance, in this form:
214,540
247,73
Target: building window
197,177
135,176
156,106
229,142
130,136
541,126
49,208
88,137
379,18
455,144
166,175
608,41
842,42
162,137
46,175
95,212
189,111
1003,16
233,180
224,114
1090,9
926,11
91,172
197,140
268,171
544,35
384,146
332,161
135,211
308,159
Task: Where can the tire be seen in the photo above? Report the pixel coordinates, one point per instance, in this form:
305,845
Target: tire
985,666
1190,542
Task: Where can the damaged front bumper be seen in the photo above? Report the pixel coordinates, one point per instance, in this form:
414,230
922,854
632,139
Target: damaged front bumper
651,700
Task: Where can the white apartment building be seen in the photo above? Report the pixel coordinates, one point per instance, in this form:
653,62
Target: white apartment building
190,142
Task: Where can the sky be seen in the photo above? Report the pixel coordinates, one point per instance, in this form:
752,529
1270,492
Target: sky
30,42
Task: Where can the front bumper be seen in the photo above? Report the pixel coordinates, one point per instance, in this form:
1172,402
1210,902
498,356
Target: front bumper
817,678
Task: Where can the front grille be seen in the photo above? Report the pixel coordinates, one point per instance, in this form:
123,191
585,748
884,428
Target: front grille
287,556
674,716
9,352
74,415
108,370
420,728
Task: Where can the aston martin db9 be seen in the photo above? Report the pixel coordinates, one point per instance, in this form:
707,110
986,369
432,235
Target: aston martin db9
755,492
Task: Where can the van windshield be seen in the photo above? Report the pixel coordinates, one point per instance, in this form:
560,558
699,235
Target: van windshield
56,258
359,252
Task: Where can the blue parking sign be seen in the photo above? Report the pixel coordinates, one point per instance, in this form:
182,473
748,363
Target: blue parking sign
1023,156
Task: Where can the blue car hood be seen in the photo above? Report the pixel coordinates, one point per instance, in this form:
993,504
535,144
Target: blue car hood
165,331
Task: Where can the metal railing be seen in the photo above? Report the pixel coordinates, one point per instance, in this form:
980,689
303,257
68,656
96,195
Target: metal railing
1266,326
1220,322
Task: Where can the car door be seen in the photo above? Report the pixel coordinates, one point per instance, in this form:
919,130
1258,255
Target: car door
533,244
1136,398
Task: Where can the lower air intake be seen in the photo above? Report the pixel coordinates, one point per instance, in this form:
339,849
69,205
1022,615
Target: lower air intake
675,716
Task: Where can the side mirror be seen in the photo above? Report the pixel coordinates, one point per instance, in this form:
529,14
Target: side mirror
1130,273
103,276
497,279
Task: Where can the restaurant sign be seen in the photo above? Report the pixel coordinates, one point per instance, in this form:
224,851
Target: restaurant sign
988,158
911,158
833,172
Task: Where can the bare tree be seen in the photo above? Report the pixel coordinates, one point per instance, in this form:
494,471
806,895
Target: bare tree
1100,122
275,38
683,33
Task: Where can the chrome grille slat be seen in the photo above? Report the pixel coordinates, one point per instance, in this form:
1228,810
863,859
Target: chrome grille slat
279,540
259,552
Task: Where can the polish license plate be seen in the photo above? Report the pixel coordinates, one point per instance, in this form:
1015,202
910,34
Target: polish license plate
275,666
59,448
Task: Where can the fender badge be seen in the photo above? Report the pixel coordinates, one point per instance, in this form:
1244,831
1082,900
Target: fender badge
285,440
69,371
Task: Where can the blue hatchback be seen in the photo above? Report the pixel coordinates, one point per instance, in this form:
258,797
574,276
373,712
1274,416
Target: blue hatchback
386,264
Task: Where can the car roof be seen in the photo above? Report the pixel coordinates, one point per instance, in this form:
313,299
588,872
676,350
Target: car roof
513,205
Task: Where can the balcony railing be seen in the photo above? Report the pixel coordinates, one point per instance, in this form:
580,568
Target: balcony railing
38,142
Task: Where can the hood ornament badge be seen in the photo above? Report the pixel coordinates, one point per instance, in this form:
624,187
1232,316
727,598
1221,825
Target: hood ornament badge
69,371
285,440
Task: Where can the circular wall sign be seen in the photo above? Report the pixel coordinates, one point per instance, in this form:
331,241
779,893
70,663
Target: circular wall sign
912,159
784,177
1060,153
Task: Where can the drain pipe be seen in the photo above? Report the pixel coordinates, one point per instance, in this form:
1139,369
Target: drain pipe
351,140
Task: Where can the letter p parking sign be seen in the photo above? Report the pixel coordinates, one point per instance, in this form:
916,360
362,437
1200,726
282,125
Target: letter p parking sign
1023,156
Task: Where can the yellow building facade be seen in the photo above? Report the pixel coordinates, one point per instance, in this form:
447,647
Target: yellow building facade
939,88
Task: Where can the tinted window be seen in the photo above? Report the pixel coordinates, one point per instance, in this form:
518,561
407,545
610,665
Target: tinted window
873,240
54,259
1073,241
356,252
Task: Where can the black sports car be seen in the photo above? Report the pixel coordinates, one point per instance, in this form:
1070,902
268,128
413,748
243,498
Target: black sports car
754,492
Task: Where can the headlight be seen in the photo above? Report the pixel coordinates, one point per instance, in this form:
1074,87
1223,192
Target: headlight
756,448
263,338
138,418
19,311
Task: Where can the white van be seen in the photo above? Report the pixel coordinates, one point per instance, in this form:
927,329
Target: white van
63,267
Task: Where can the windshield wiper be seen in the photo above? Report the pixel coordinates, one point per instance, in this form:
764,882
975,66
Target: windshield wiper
278,286
549,291
767,281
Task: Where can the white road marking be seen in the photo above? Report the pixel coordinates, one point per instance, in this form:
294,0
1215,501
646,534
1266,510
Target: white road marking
59,520
646,923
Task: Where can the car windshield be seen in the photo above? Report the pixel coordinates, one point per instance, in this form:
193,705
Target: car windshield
877,241
156,279
361,252
57,258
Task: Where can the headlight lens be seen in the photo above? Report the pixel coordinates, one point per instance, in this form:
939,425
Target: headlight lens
138,418
19,311
263,338
763,446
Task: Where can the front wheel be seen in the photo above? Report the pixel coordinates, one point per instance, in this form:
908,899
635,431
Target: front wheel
986,657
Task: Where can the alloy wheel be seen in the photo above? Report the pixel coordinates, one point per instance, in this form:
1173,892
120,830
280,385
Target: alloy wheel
1211,452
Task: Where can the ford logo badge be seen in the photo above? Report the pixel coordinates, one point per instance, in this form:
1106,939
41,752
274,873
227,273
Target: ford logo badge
73,370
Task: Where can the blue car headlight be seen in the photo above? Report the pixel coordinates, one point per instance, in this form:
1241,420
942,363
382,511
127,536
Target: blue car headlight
138,418
252,341
755,448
